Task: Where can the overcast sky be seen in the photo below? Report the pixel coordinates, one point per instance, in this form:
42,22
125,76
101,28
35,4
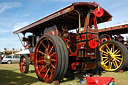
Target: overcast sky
15,14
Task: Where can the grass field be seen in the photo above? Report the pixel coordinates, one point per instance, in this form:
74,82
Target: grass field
10,75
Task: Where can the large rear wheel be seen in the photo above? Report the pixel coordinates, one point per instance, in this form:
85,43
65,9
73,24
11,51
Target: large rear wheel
114,56
50,58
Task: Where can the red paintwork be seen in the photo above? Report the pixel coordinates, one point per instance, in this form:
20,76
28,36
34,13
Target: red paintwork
99,14
22,63
73,65
38,67
91,21
99,80
31,57
93,44
51,30
81,45
91,37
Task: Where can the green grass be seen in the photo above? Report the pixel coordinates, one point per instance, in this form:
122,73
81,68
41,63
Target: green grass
120,78
10,75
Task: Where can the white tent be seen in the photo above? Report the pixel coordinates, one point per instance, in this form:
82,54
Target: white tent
26,51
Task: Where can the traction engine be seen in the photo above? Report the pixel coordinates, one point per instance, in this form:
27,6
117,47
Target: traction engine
65,41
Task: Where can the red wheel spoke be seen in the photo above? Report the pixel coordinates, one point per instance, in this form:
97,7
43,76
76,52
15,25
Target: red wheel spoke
53,66
43,45
47,72
48,44
53,53
51,71
41,52
41,61
43,68
51,49
53,59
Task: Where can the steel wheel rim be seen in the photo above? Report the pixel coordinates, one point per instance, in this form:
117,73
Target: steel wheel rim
46,59
111,56
22,64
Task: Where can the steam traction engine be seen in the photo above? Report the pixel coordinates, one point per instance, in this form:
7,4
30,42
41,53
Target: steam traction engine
113,48
56,49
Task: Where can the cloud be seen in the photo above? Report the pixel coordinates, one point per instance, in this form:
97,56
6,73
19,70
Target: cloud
10,42
3,31
8,5
6,40
110,24
26,15
120,23
20,25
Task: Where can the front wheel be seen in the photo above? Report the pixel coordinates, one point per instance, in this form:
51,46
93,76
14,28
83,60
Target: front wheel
114,56
50,58
24,64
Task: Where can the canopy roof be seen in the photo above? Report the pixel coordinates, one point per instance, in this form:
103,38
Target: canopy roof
121,29
66,14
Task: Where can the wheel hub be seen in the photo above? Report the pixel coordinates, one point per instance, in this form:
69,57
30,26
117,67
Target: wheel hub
47,59
111,57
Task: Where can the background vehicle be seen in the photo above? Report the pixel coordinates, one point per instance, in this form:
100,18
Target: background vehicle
114,48
55,50
11,59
